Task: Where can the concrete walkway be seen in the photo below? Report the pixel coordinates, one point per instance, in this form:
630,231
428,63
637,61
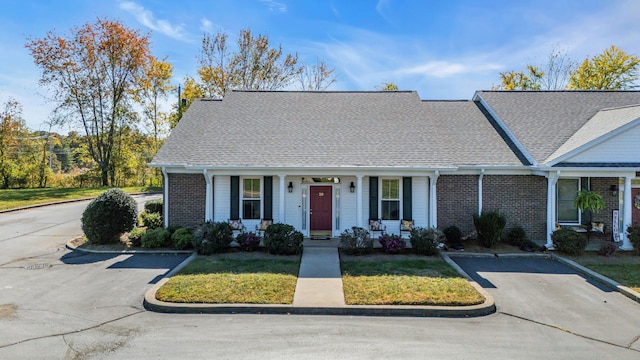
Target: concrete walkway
319,280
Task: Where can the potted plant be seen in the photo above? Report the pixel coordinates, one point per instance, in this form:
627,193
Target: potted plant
589,201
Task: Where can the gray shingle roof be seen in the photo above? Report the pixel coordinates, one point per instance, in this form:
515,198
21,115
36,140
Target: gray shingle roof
545,120
333,129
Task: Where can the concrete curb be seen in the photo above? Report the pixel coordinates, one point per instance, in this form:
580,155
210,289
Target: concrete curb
124,252
486,308
612,284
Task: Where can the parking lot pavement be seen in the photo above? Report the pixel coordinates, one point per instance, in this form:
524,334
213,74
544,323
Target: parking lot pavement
547,292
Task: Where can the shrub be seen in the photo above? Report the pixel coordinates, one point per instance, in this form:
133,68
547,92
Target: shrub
248,241
210,238
633,231
283,239
607,248
426,241
356,241
569,241
155,238
135,236
453,234
154,206
489,225
151,220
391,243
108,216
182,238
516,236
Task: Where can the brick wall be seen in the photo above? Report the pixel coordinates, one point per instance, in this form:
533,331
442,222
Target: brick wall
521,198
457,201
186,199
602,186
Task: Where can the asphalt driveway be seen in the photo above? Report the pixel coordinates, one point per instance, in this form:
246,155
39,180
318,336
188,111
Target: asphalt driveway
546,292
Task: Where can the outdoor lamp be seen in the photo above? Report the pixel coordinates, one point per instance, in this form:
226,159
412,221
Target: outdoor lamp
290,187
614,190
352,187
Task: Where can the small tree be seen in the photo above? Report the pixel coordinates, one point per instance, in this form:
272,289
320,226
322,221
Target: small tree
589,201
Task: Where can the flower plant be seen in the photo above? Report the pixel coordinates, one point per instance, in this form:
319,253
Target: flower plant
391,243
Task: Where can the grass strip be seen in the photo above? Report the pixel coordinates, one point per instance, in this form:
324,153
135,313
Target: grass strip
17,198
625,274
406,282
233,281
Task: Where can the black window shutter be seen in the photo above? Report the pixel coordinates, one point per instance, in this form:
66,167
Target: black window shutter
373,197
407,214
268,198
235,198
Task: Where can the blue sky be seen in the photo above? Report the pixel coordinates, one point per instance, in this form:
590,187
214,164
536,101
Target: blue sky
442,49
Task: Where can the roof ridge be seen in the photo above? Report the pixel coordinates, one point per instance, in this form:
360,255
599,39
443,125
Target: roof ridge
326,91
619,107
560,91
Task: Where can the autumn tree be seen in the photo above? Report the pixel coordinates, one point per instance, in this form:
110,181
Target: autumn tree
389,87
252,65
92,73
10,123
316,77
613,69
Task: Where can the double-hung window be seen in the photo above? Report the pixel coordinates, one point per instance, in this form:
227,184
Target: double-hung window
251,198
390,201
567,212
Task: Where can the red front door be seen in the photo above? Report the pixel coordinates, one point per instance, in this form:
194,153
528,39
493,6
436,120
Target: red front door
635,205
320,209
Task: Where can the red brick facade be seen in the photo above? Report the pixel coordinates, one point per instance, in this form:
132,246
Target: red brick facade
603,187
457,201
186,199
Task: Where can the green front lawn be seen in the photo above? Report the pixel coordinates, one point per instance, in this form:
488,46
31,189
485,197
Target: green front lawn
406,282
626,274
16,198
233,281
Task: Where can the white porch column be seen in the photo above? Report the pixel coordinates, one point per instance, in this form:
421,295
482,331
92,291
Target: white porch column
208,210
359,200
433,200
165,197
283,189
626,220
552,180
480,192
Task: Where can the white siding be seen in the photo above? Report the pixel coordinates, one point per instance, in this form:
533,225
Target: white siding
293,203
347,204
623,148
221,197
420,201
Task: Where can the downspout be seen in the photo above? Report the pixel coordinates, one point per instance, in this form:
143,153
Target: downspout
480,191
165,196
433,200
551,207
208,213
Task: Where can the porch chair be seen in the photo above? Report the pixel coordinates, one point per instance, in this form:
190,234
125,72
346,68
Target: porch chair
262,226
406,226
236,225
376,225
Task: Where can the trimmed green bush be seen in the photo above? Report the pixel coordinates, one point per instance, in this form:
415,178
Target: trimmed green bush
182,238
569,241
489,225
356,241
108,216
453,235
210,238
248,241
283,239
154,206
155,238
151,220
516,236
633,231
135,236
426,241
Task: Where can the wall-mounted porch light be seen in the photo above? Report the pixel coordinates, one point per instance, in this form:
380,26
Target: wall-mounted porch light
290,187
614,190
352,187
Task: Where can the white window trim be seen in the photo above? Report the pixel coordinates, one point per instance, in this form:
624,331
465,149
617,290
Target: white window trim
242,198
579,180
400,204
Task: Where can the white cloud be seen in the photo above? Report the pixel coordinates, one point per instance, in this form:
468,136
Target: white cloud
206,25
146,18
274,5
